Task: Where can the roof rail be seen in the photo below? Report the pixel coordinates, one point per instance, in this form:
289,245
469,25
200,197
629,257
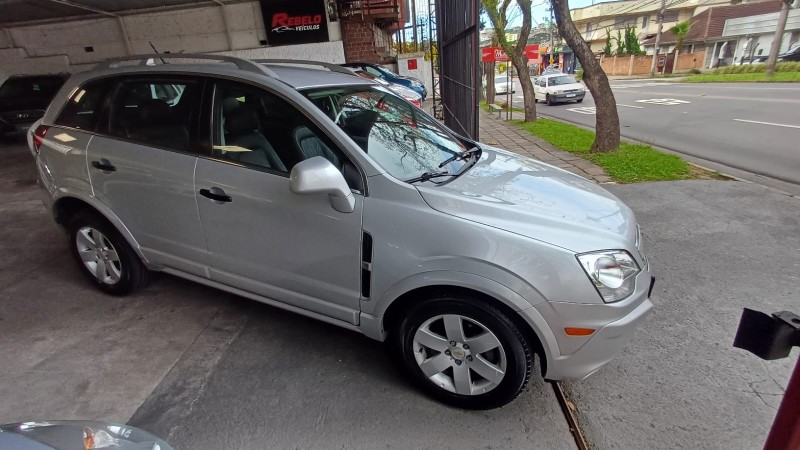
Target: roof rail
332,67
241,64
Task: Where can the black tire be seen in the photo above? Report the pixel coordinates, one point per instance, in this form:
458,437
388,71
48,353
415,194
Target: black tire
133,274
517,350
579,101
535,100
548,100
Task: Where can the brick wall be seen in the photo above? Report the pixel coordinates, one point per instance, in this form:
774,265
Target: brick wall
359,42
687,61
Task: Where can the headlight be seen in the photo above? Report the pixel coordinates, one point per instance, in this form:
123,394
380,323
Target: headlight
558,92
613,273
416,83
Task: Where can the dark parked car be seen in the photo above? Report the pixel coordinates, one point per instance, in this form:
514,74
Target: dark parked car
23,100
382,72
791,55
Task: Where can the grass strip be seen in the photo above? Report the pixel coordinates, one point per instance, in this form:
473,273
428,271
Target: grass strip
630,163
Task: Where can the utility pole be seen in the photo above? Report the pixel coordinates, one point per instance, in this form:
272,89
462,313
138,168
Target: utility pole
552,36
414,23
658,37
776,41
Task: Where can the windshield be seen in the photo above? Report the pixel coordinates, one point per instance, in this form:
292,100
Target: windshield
399,137
563,79
30,86
387,72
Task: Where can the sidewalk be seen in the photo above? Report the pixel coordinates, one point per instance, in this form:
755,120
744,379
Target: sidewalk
496,131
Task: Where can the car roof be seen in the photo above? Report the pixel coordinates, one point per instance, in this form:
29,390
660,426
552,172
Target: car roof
295,76
551,75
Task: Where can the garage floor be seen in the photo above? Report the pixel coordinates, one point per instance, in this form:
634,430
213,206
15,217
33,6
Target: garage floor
206,369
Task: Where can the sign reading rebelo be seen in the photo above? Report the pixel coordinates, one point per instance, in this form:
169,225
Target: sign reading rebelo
498,55
294,22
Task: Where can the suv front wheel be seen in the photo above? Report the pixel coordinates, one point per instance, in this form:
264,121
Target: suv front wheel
104,255
464,352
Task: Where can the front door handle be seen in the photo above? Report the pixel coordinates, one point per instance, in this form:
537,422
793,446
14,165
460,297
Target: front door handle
216,194
104,165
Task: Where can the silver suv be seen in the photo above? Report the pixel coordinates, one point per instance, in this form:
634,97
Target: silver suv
320,192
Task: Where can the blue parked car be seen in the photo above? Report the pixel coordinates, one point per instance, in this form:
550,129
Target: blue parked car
391,77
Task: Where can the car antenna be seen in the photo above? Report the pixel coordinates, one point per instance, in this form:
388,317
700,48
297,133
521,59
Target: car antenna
156,51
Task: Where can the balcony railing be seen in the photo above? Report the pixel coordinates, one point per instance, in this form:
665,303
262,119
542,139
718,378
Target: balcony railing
374,10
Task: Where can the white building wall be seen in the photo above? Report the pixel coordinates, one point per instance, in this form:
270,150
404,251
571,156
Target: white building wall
60,46
762,29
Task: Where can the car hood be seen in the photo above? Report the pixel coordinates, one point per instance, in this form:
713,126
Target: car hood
404,91
537,200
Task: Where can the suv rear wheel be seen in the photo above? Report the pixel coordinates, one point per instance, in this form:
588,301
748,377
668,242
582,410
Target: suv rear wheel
104,255
464,352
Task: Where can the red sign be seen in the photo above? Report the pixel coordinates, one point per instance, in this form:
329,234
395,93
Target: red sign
498,55
412,64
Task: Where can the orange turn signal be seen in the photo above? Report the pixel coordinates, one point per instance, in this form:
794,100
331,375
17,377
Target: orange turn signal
579,331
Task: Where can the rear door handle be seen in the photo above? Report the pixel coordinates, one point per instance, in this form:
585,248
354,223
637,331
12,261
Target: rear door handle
104,165
216,194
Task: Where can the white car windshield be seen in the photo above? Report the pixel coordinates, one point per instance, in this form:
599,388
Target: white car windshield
561,79
399,137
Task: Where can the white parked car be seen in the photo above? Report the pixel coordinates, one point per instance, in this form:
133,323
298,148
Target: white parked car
557,88
502,85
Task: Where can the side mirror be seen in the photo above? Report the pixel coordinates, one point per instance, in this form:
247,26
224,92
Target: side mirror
318,176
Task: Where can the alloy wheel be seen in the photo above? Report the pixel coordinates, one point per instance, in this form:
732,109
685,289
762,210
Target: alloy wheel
459,354
98,255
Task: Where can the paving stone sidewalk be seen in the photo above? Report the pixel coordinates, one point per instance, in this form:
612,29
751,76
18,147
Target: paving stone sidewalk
496,131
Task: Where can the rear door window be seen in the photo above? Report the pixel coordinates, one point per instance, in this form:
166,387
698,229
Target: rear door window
158,112
86,106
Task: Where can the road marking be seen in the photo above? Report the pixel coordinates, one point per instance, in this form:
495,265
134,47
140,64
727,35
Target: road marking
584,110
630,106
768,123
663,101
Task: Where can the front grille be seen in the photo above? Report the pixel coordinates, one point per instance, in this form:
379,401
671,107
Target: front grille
22,116
572,90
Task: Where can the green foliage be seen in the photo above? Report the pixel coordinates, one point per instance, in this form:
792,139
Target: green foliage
579,75
630,163
759,68
680,30
620,44
632,45
607,50
779,77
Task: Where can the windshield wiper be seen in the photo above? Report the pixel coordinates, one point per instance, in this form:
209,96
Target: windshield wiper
428,175
458,156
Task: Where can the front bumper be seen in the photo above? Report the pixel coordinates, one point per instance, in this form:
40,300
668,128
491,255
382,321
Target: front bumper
569,96
576,357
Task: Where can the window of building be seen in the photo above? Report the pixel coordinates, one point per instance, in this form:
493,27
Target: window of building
623,22
645,21
670,16
591,28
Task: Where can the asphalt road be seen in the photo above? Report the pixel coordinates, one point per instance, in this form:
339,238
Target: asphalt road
746,126
206,369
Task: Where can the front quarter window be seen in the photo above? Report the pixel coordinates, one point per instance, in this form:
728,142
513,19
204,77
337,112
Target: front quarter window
400,138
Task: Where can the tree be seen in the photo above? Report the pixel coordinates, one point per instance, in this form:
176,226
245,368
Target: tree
680,30
607,120
607,48
620,44
632,45
498,10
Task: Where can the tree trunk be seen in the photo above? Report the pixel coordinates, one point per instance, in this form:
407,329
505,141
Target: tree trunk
490,82
524,77
497,15
607,119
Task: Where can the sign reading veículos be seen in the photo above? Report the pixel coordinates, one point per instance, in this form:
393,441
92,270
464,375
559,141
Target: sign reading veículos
294,21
